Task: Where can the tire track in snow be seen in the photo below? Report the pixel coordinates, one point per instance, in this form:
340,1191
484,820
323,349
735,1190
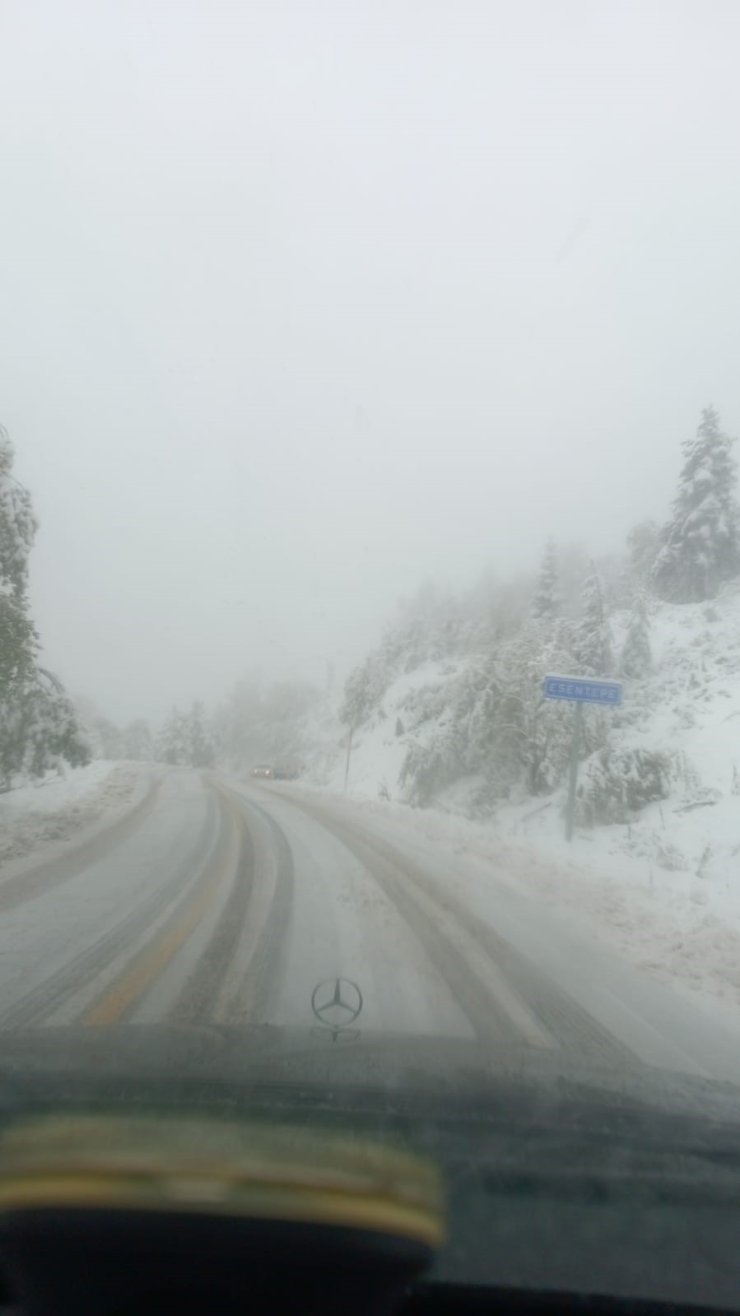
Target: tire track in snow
435,917
494,1021
198,1002
265,967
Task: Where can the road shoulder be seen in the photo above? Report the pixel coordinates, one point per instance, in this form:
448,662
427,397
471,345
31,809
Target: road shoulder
42,828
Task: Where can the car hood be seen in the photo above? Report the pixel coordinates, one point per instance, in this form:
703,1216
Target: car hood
558,1176
305,1068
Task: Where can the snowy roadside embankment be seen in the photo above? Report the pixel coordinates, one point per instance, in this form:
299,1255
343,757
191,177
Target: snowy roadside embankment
37,817
673,924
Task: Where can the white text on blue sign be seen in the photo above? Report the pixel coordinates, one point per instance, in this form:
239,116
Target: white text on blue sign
582,690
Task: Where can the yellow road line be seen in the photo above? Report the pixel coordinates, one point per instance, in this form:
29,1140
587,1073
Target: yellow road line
153,959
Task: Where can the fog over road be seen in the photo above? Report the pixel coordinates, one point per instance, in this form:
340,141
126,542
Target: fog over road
220,902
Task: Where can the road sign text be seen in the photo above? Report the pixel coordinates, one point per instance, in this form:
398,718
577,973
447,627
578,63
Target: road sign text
582,690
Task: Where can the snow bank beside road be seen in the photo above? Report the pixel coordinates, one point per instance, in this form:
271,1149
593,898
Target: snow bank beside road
673,924
39,816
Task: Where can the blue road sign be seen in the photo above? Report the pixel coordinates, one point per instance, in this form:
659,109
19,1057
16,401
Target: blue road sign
582,690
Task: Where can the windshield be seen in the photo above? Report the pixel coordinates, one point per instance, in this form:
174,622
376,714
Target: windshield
370,561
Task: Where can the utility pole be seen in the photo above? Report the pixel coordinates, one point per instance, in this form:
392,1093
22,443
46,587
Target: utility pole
349,751
575,745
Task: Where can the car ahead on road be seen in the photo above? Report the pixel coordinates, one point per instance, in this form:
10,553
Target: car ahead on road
277,771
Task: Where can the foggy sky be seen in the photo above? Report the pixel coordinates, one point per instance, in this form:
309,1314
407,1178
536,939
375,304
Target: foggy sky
303,303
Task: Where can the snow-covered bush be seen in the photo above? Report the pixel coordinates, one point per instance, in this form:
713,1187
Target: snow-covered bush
461,713
428,769
364,690
618,782
39,731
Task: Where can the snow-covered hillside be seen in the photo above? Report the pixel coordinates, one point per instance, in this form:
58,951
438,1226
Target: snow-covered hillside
380,745
663,881
687,711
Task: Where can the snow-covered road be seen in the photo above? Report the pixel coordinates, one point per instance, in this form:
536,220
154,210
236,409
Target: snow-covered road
220,902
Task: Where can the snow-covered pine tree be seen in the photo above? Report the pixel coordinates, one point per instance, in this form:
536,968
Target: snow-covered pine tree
38,725
591,638
634,569
642,550
636,657
363,690
18,640
531,732
199,742
235,721
546,602
700,545
106,739
137,740
172,741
